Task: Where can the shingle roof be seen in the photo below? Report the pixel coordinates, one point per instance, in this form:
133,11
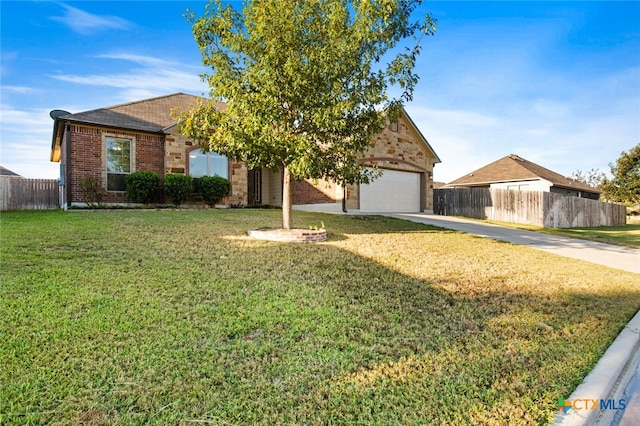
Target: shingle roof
149,115
158,110
514,168
107,117
6,172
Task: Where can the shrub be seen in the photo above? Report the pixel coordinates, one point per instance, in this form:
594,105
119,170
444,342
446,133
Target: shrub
178,187
142,187
92,191
214,188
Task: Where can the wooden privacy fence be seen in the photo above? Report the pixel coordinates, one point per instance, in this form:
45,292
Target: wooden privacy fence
527,207
29,194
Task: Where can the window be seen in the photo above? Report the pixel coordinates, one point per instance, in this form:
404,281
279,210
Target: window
207,164
393,126
118,162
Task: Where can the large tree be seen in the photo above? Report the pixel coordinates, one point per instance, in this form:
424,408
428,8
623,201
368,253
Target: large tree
307,83
624,187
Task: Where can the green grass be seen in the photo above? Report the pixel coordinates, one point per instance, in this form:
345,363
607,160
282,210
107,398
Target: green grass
177,317
628,235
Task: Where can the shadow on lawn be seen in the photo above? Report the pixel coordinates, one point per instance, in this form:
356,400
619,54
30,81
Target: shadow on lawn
201,326
489,346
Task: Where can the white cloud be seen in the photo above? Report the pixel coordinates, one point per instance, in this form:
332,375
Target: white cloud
19,89
26,132
26,142
151,77
86,23
28,120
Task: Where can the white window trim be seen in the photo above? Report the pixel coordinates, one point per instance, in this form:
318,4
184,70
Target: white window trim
104,155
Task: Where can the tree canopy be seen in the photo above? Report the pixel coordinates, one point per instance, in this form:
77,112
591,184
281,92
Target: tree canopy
593,177
307,83
624,187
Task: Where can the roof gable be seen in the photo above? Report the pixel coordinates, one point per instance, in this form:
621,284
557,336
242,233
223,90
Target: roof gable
417,131
515,168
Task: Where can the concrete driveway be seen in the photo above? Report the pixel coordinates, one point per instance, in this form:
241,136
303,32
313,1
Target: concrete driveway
619,257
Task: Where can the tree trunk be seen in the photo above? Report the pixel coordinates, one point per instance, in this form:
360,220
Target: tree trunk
286,199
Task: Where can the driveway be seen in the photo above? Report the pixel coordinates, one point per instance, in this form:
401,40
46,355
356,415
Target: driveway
619,257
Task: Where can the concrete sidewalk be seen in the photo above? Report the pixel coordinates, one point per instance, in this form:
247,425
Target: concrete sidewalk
617,375
619,257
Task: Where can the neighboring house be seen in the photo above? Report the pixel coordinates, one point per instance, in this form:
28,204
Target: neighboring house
109,143
514,172
8,173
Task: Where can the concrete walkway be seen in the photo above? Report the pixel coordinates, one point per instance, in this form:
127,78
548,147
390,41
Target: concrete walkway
619,257
616,376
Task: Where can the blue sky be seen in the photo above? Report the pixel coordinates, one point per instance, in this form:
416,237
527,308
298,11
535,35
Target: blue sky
557,83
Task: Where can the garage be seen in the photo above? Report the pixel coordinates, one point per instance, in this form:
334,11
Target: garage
394,191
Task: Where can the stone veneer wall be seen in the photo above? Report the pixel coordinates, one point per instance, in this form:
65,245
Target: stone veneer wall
177,149
401,150
176,153
239,175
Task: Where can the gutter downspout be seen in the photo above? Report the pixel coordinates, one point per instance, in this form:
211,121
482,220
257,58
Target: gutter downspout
67,167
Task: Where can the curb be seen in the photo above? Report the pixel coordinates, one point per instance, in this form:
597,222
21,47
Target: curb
608,379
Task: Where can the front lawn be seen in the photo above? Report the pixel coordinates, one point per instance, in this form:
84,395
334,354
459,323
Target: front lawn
627,235
177,317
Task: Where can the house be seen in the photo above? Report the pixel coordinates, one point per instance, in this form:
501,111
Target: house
108,143
514,172
8,173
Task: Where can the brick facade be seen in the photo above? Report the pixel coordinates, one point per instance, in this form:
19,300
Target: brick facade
79,143
87,152
158,153
315,192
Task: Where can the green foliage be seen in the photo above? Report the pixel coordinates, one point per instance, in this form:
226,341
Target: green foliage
593,177
316,227
307,83
213,188
624,187
92,191
142,187
178,187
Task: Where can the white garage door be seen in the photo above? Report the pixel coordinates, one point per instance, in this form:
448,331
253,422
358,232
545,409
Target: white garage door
392,192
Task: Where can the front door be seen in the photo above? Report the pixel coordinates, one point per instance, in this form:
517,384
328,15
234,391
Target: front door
254,187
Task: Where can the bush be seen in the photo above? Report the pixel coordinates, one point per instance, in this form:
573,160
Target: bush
92,191
214,188
142,187
178,187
